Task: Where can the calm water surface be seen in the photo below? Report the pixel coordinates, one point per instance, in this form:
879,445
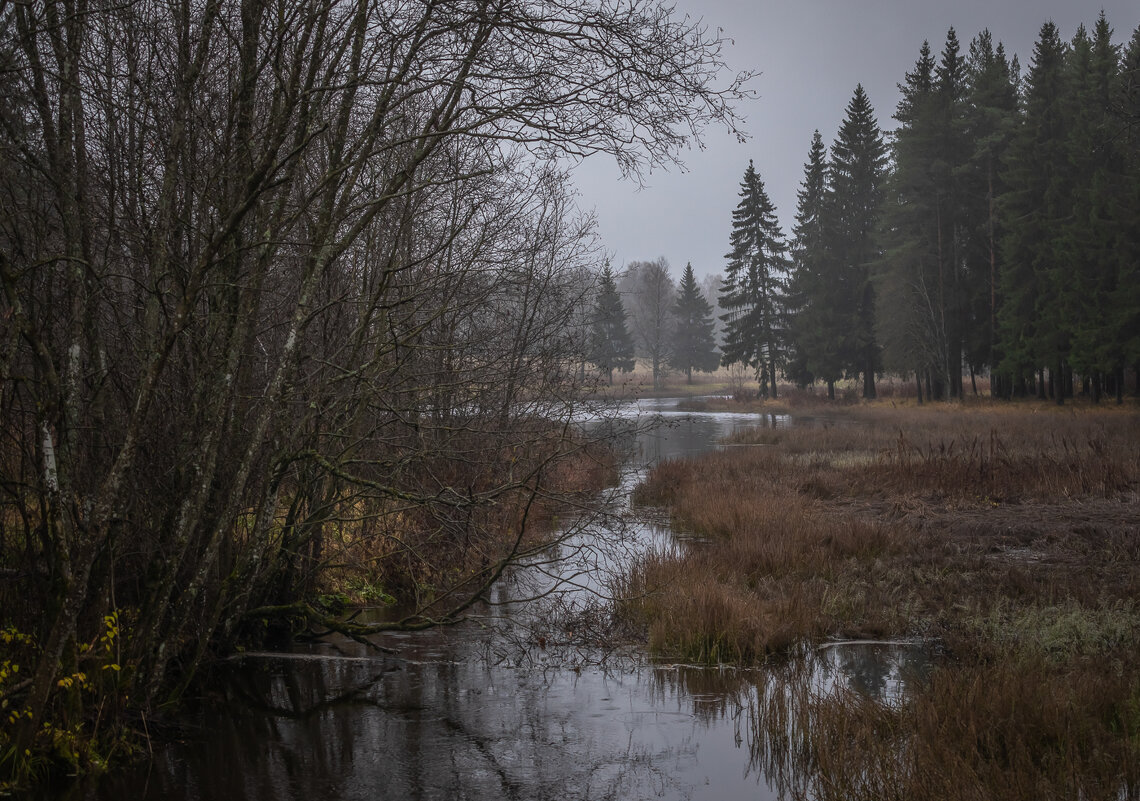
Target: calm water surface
484,712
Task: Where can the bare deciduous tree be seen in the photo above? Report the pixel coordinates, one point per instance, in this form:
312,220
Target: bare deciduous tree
650,292
276,272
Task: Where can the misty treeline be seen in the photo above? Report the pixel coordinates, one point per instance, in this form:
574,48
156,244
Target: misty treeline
999,230
277,272
643,314
996,230
1009,236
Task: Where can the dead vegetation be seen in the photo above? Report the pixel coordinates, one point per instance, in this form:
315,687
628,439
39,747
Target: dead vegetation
1017,728
1011,539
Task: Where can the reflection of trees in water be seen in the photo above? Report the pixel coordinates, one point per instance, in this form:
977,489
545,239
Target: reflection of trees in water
352,727
356,728
825,726
867,669
777,726
712,694
882,670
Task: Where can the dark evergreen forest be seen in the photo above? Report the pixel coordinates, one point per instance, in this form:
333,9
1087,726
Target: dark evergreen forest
995,231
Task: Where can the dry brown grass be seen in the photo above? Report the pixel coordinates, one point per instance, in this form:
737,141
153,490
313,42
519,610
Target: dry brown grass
1010,537
895,520
995,452
1014,729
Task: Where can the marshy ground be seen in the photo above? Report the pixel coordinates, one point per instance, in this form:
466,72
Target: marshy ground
1006,536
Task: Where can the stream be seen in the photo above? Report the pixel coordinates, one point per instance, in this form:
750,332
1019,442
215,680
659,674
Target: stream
510,706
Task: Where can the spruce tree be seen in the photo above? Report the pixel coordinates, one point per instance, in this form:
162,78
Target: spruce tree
908,320
1124,308
990,116
1031,321
611,346
693,346
857,170
816,321
923,312
755,284
1092,230
953,150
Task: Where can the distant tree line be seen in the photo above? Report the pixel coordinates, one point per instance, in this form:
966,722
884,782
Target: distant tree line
1002,233
996,230
667,325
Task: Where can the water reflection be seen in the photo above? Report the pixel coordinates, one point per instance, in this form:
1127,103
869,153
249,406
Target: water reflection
529,702
687,433
362,729
881,670
817,722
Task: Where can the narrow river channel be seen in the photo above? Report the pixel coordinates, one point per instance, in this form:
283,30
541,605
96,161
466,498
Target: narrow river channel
490,711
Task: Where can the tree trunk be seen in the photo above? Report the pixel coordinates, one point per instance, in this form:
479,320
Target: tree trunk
936,386
993,262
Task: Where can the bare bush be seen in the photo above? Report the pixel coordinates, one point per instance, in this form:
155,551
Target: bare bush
273,269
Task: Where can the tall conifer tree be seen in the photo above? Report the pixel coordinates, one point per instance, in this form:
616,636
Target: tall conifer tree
908,323
924,313
693,346
858,168
817,312
1033,331
755,285
990,118
1125,301
953,151
611,346
1092,230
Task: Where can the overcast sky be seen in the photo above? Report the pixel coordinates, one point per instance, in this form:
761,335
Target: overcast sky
809,54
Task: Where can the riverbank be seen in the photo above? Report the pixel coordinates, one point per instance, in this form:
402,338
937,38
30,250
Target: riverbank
430,540
1005,535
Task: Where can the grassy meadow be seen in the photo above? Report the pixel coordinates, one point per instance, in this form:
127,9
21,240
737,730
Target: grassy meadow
1007,535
